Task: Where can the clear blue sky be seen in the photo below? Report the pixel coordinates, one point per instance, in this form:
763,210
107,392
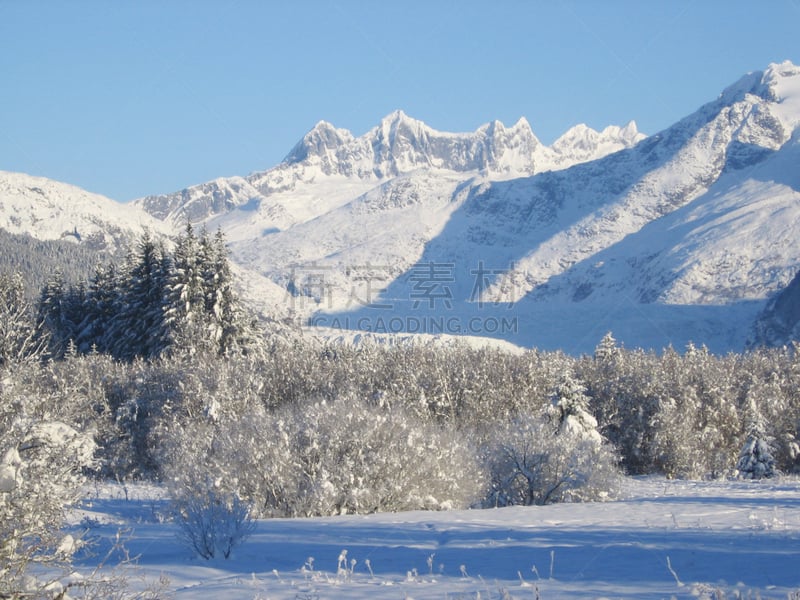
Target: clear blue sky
135,98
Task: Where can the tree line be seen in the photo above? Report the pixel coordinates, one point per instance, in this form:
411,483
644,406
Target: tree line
157,301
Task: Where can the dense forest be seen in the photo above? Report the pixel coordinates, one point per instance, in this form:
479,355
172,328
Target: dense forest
152,370
37,260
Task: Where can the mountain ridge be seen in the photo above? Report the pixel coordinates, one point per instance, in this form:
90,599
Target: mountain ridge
398,145
51,210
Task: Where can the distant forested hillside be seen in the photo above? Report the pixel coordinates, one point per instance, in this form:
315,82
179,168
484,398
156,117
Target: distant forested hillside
37,260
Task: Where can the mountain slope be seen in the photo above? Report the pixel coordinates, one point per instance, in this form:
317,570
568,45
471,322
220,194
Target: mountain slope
779,323
598,205
37,260
50,210
700,215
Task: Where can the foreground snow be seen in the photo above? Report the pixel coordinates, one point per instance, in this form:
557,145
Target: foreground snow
668,539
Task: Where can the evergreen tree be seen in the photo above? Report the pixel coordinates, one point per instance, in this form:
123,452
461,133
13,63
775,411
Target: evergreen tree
139,327
102,302
756,460
230,329
607,351
60,314
185,294
203,312
156,301
570,408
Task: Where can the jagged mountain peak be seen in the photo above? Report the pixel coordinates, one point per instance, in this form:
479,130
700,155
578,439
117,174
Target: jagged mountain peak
582,143
522,123
629,131
580,136
401,144
323,139
777,71
398,118
773,84
583,136
398,145
777,79
783,82
399,128
497,126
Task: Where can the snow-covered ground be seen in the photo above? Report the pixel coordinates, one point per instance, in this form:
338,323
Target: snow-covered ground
665,539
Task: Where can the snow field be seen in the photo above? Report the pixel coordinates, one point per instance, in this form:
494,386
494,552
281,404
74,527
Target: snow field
667,539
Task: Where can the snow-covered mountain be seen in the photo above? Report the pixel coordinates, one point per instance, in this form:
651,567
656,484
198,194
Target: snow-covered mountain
50,210
680,236
701,213
343,166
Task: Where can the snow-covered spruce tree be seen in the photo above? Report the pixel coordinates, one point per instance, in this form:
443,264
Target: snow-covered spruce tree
185,311
102,304
60,313
607,350
231,329
756,458
202,311
570,410
139,327
555,456
117,312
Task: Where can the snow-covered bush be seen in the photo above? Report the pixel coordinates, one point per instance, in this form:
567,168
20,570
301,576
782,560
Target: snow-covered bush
358,459
50,414
41,471
326,458
211,523
555,456
19,337
676,414
771,408
531,463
